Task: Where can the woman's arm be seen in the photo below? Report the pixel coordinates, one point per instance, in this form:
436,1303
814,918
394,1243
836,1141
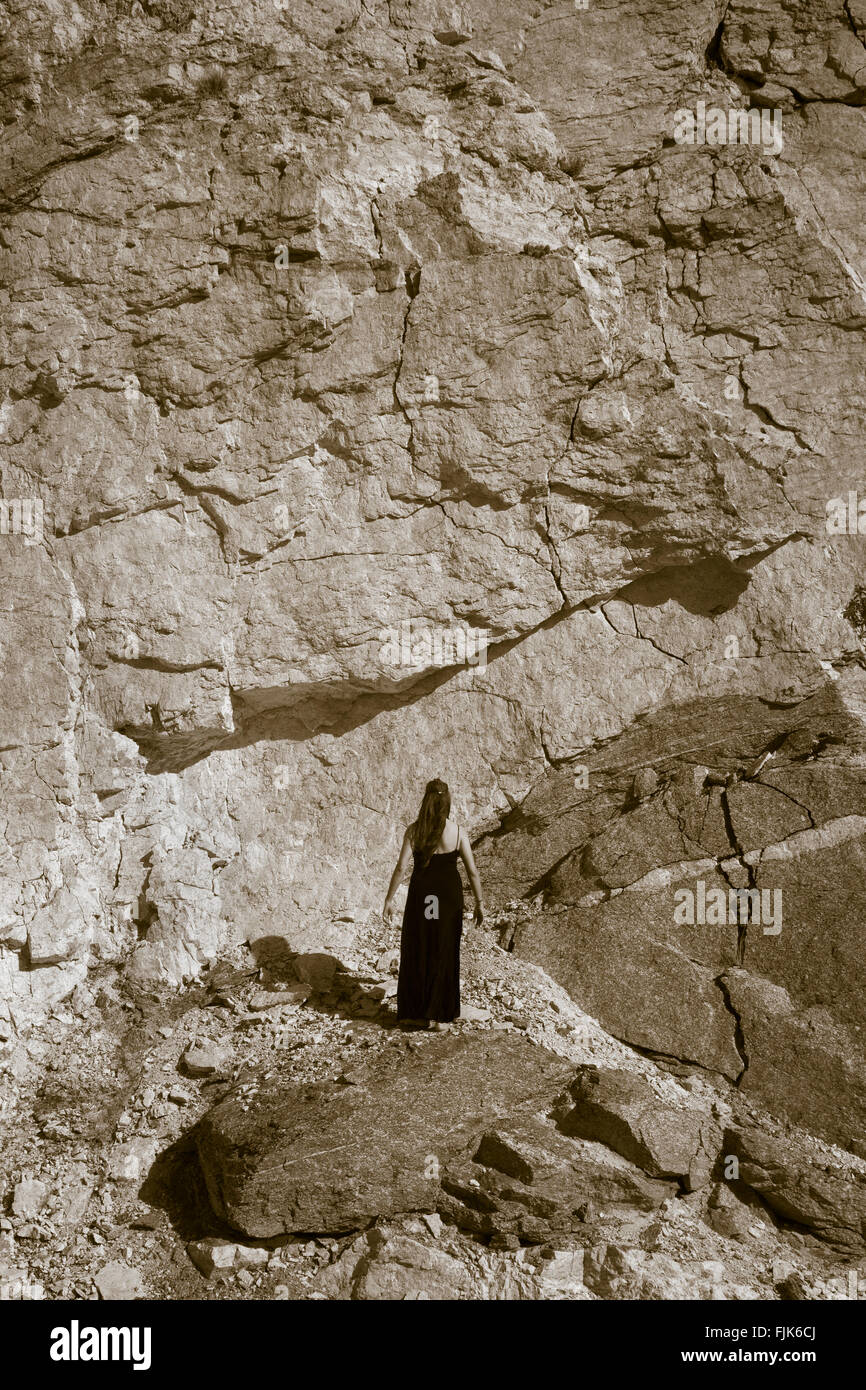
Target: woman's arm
402,865
466,855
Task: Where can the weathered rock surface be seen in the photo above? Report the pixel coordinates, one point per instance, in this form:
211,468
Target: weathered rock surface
202,1058
116,1282
620,1110
525,1179
613,1272
394,1264
766,990
28,1197
325,320
519,1208
218,1259
799,1188
480,1129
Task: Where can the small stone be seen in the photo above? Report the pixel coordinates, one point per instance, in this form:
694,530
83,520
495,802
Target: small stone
216,1259
433,1222
245,1278
131,1160
792,1289
202,1058
281,1291
81,1000
733,1223
273,998
505,1241
563,1268
316,969
646,781
387,962
28,1197
471,1014
148,1221
699,775
118,1281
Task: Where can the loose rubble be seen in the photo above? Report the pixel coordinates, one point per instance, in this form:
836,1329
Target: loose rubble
101,1190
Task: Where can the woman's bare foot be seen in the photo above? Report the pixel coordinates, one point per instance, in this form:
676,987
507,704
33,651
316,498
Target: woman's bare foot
436,1027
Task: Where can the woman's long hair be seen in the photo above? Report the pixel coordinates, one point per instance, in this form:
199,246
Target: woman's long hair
427,829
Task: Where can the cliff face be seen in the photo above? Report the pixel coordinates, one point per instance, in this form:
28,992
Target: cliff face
324,319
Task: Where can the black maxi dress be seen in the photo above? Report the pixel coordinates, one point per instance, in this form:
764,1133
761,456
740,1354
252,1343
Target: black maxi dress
429,980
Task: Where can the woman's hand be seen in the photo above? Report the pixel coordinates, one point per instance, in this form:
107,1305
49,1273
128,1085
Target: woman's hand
388,912
478,914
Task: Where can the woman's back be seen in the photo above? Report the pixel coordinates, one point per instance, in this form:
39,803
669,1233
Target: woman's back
448,840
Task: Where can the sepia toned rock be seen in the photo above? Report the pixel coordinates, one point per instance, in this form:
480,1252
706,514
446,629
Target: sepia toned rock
330,1157
765,989
116,1281
798,1188
622,1111
412,390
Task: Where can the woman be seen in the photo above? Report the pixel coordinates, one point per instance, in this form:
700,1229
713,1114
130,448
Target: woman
428,989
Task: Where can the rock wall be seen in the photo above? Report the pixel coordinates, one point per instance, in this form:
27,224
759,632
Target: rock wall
324,319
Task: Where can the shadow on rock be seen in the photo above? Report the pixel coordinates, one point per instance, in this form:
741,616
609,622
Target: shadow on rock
321,982
175,1184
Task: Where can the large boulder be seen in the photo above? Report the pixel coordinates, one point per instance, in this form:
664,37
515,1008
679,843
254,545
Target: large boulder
333,1157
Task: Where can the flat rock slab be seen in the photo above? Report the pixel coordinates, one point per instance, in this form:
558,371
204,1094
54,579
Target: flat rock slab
29,1196
274,998
329,1158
